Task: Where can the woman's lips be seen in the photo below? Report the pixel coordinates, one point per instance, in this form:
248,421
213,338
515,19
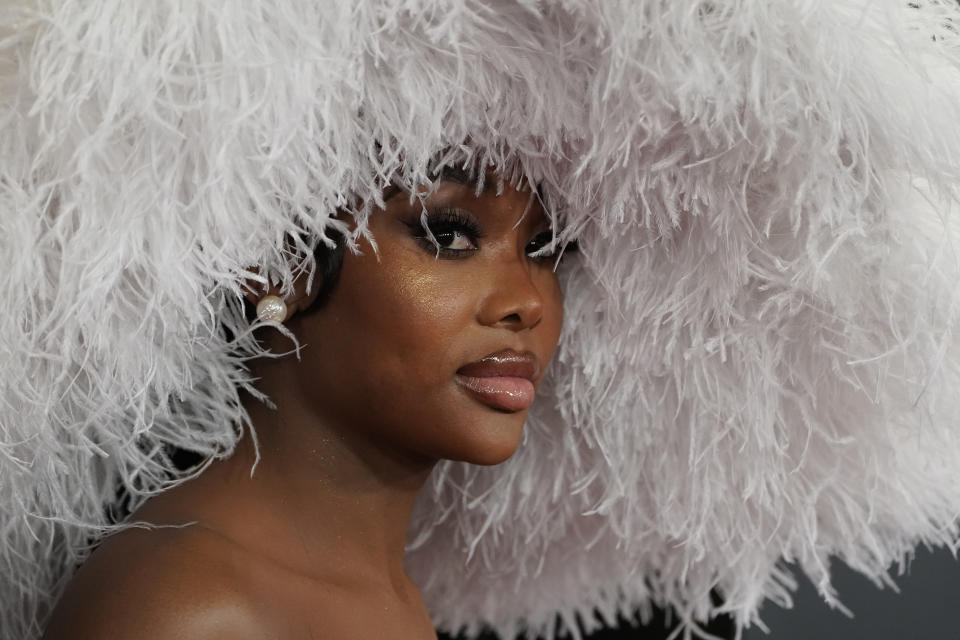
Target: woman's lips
502,380
500,392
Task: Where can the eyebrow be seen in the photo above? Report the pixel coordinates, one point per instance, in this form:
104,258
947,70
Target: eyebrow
458,175
455,174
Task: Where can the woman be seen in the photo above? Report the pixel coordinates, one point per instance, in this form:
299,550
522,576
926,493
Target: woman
758,358
425,349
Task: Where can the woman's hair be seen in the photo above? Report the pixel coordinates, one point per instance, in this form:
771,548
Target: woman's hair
329,261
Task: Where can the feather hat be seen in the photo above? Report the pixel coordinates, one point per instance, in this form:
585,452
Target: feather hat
759,360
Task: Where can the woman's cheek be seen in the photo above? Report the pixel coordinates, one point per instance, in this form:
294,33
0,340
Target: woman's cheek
433,303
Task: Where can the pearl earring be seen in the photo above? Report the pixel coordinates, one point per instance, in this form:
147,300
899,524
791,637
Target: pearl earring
271,309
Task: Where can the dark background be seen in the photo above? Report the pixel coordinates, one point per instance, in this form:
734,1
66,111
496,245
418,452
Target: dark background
657,629
928,606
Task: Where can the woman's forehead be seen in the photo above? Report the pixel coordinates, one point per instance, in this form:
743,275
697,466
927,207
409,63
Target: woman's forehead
490,183
485,182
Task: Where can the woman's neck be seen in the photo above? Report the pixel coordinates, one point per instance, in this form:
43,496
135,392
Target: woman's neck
323,500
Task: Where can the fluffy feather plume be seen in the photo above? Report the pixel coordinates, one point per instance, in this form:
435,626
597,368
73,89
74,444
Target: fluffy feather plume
759,359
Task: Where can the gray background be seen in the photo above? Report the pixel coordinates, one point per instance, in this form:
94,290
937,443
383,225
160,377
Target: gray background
928,605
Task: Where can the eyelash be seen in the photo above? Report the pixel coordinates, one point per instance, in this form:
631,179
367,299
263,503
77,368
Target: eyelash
447,219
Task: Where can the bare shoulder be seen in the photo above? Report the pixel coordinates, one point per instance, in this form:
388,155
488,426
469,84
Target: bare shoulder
160,584
192,583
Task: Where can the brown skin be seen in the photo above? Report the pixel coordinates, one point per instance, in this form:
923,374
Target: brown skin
311,546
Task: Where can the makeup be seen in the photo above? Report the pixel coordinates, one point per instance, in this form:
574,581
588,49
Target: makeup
501,380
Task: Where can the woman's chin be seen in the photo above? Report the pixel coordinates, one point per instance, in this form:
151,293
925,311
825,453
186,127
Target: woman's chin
491,447
492,457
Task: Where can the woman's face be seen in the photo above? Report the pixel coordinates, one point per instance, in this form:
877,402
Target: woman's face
404,349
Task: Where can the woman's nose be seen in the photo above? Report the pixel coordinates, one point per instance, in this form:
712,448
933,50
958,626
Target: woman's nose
513,300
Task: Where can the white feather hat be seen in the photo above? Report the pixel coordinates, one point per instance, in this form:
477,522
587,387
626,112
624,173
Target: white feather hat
759,359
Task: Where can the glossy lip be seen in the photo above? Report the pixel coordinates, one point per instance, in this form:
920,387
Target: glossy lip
503,380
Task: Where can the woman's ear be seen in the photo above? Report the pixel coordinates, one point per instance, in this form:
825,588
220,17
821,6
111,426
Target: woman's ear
297,300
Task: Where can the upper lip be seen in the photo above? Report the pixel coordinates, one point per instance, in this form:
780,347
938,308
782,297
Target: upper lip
506,363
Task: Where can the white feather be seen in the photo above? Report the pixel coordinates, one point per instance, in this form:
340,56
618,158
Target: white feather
759,359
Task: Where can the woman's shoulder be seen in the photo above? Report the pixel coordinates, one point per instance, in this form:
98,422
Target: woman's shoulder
192,582
158,584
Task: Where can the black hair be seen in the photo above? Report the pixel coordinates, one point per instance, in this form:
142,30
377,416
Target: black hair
329,262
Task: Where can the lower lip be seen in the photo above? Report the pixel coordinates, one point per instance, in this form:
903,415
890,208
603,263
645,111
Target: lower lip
503,393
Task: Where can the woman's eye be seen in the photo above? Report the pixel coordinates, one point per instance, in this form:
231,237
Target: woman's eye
454,240
539,242
544,239
455,232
